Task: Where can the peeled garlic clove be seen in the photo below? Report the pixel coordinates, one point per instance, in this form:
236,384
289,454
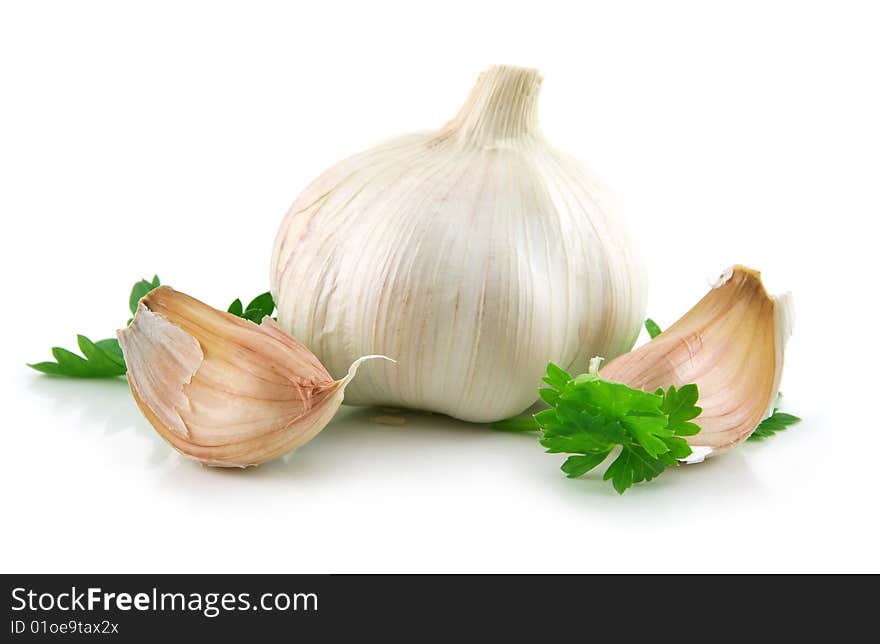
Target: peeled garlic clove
731,345
474,254
221,389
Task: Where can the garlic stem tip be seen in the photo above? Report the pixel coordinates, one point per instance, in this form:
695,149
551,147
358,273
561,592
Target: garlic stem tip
352,370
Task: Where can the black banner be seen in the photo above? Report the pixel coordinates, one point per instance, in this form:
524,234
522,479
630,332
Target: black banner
123,608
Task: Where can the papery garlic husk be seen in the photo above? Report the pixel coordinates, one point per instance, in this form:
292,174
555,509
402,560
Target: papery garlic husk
731,345
221,389
474,255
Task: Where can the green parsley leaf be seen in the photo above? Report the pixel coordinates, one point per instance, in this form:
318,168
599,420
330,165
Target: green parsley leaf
680,406
111,347
263,302
777,421
590,416
635,465
256,310
103,359
652,328
556,377
236,308
576,466
140,289
104,354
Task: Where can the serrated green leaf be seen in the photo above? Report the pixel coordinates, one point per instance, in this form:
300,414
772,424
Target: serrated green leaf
579,442
634,465
589,416
69,361
584,377
545,416
104,358
652,328
680,405
649,432
263,302
236,308
139,290
261,306
52,368
612,399
575,466
678,447
111,347
549,396
621,472
556,377
565,424
776,422
100,361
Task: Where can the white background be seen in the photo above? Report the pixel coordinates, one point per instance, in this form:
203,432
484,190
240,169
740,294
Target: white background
171,137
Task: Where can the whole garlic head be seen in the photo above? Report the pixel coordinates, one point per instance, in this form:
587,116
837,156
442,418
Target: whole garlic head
473,255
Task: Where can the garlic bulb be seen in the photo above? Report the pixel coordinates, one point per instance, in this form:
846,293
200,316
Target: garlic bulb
474,255
221,389
731,345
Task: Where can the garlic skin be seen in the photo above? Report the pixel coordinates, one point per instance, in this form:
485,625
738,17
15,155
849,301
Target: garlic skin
473,255
731,344
221,389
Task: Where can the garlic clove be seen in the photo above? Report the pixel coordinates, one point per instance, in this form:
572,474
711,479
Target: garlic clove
221,389
731,345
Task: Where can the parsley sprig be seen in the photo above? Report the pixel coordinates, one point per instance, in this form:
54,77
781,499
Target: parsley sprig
652,328
139,290
775,422
589,417
256,310
103,359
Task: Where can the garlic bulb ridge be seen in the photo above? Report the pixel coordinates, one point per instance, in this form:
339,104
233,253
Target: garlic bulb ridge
473,255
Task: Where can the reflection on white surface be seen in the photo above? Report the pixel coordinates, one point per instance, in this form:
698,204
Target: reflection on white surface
101,405
354,446
432,494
